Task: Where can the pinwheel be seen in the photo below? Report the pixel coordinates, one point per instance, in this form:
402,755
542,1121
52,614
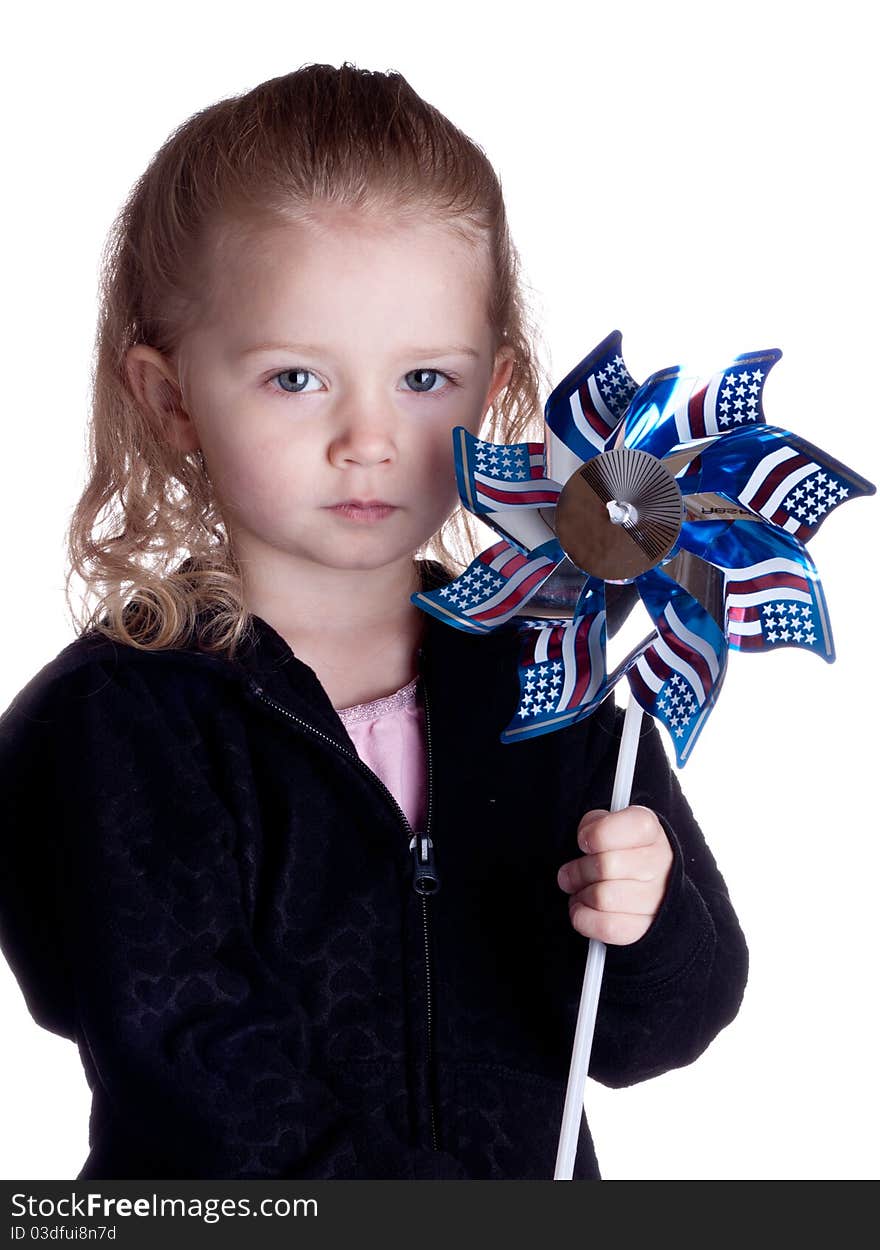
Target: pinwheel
680,487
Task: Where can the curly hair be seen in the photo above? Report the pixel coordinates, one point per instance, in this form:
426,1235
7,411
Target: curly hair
320,135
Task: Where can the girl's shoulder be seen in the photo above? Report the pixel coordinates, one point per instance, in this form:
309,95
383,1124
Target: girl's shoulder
95,666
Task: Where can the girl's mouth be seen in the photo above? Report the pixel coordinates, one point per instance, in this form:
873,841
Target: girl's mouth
372,511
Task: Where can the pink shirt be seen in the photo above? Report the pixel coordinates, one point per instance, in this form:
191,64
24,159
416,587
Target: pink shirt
389,735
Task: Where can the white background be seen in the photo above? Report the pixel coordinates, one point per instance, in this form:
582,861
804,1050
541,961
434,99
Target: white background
700,177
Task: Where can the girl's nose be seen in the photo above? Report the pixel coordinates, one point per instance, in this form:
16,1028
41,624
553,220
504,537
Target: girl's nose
363,436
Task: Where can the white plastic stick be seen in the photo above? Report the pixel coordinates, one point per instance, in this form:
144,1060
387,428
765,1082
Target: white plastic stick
586,1021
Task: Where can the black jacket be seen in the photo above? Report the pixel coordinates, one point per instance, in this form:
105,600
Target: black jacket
204,887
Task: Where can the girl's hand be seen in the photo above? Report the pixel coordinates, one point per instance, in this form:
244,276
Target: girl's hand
617,885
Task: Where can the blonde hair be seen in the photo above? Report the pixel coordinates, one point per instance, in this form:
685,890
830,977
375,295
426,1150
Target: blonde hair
319,136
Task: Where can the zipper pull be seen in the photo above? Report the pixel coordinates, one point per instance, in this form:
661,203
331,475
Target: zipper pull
425,879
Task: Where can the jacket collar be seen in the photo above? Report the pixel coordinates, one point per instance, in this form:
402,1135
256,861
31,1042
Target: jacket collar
462,674
469,680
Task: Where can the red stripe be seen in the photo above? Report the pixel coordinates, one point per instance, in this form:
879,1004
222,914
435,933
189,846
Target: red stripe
496,549
768,581
740,614
657,666
516,596
497,495
642,691
697,413
686,652
554,642
744,614
582,662
527,655
513,564
779,474
595,422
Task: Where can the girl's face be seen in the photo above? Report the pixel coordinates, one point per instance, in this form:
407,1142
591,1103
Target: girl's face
338,357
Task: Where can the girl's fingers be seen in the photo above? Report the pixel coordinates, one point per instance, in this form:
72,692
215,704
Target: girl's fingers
639,898
611,831
637,863
612,928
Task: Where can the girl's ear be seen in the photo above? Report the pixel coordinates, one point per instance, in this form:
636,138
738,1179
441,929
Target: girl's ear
504,359
156,389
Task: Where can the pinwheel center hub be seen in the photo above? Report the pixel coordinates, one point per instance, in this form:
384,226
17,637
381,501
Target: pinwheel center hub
619,515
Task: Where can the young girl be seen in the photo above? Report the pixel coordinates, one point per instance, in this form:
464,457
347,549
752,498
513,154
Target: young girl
265,859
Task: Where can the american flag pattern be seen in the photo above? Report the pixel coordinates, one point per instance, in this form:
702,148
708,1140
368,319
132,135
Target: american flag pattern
492,588
678,676
781,477
772,593
495,476
588,403
562,675
671,409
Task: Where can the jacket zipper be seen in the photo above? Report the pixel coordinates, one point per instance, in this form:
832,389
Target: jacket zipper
425,879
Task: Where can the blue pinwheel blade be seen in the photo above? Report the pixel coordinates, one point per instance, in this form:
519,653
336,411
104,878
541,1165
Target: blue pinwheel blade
772,593
492,588
678,675
671,410
777,475
586,406
651,409
562,675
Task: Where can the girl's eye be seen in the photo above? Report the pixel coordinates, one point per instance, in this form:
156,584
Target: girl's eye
295,389
291,381
426,388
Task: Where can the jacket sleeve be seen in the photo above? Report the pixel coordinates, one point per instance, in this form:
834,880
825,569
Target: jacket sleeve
201,1049
666,996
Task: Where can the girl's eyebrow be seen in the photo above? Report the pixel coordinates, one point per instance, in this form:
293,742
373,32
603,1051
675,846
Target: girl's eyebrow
310,348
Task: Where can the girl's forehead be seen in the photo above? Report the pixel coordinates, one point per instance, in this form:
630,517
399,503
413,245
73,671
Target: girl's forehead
338,230
412,266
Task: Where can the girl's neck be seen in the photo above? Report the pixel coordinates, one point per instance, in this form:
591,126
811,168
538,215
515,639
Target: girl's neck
358,631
